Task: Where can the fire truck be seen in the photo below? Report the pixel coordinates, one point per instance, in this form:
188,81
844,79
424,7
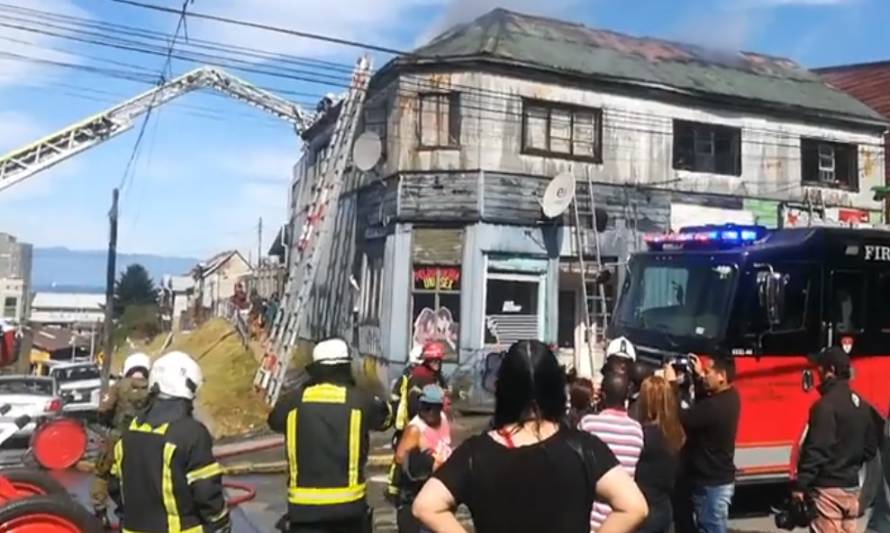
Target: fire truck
768,298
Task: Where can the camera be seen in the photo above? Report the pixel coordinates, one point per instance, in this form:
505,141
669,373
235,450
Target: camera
795,513
682,364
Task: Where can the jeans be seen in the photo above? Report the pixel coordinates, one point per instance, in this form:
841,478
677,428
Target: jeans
711,506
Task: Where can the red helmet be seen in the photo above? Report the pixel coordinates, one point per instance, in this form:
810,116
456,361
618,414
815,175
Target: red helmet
433,351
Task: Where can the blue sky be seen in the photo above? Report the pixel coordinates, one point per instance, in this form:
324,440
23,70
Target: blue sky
209,168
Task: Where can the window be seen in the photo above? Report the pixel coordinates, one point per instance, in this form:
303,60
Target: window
829,164
709,148
10,305
561,130
438,123
436,307
371,288
881,311
511,308
847,300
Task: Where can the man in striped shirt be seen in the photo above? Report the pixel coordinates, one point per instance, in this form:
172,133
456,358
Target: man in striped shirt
618,430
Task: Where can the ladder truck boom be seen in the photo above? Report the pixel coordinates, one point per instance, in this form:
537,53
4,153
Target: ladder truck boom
24,162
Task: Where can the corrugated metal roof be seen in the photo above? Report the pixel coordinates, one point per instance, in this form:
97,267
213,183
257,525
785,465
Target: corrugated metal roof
869,82
505,36
63,300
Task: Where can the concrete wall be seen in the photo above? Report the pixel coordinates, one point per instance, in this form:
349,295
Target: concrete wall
637,141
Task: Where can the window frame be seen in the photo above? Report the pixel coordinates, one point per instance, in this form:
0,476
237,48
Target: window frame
572,109
455,120
698,139
861,317
436,293
811,159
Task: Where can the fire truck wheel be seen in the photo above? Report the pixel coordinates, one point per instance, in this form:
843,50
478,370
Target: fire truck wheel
870,479
47,514
30,482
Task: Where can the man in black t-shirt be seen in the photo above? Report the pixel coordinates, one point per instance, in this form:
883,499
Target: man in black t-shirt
711,424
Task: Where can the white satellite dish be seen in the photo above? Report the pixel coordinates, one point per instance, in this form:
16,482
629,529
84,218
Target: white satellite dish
559,195
366,151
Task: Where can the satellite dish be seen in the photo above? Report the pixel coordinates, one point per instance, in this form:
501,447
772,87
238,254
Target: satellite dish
559,194
366,151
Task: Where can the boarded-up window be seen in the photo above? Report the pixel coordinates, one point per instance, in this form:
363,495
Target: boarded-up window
829,164
371,283
561,130
439,120
701,147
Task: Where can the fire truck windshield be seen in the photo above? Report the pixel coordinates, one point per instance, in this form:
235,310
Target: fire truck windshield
684,298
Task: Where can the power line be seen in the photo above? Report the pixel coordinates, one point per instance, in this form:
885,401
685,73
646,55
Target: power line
276,29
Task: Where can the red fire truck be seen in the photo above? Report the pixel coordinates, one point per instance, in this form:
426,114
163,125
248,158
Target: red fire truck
769,298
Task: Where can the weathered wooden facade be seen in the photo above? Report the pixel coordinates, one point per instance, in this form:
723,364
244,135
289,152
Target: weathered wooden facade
445,239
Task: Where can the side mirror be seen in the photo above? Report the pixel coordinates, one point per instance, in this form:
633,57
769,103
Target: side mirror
771,293
808,381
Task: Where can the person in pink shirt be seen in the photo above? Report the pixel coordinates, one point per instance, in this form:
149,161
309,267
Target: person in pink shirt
424,446
621,433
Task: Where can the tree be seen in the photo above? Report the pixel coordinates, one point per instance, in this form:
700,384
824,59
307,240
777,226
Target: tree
134,288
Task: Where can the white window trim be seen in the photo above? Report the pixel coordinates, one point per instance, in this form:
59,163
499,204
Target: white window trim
540,279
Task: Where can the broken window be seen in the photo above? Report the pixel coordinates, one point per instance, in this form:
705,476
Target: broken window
561,130
711,148
829,164
438,123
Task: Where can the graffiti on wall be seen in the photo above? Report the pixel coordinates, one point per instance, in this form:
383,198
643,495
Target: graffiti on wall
435,326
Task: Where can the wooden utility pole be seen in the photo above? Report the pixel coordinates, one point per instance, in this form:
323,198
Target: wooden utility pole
259,243
109,293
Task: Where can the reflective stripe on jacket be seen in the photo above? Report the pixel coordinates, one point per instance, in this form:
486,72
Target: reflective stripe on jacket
326,429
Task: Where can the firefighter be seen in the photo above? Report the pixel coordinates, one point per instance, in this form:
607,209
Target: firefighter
406,400
326,423
119,406
165,477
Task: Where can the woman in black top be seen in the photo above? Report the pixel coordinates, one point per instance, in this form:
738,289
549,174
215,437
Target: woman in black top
662,439
530,474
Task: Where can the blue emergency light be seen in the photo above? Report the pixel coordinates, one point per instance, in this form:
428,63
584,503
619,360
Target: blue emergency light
707,237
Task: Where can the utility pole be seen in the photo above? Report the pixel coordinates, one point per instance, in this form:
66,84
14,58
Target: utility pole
109,292
259,243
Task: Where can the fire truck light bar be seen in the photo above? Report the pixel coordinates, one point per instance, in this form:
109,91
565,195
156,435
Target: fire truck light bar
727,236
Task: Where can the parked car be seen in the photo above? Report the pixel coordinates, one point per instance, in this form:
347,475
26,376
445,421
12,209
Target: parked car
33,396
79,385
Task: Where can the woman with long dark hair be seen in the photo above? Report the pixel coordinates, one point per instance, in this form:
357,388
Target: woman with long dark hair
663,437
530,473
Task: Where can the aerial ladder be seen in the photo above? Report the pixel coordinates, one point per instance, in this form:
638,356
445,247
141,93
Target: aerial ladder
24,162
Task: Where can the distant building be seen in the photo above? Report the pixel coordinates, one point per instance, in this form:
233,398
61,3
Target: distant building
67,309
216,278
176,291
15,277
869,83
55,343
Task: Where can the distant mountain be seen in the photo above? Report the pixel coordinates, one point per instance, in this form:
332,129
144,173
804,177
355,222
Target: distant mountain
64,270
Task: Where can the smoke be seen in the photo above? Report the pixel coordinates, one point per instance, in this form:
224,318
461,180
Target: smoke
462,11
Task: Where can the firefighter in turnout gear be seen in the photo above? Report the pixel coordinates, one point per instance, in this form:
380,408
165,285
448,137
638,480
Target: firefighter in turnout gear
120,405
406,401
326,422
166,479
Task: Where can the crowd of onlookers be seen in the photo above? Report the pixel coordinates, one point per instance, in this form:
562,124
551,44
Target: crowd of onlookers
644,449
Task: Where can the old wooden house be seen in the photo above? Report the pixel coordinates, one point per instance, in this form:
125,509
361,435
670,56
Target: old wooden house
445,238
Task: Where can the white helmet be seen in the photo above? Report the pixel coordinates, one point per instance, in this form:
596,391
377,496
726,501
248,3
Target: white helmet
621,347
177,375
331,352
137,360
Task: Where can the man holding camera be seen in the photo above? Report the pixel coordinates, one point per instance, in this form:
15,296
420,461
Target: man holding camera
711,423
840,438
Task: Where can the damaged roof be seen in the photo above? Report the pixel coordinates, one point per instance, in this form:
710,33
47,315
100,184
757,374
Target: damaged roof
507,37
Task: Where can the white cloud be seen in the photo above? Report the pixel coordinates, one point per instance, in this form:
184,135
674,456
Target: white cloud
30,44
363,20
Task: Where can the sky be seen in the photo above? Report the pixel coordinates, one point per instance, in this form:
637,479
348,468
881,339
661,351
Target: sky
208,168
